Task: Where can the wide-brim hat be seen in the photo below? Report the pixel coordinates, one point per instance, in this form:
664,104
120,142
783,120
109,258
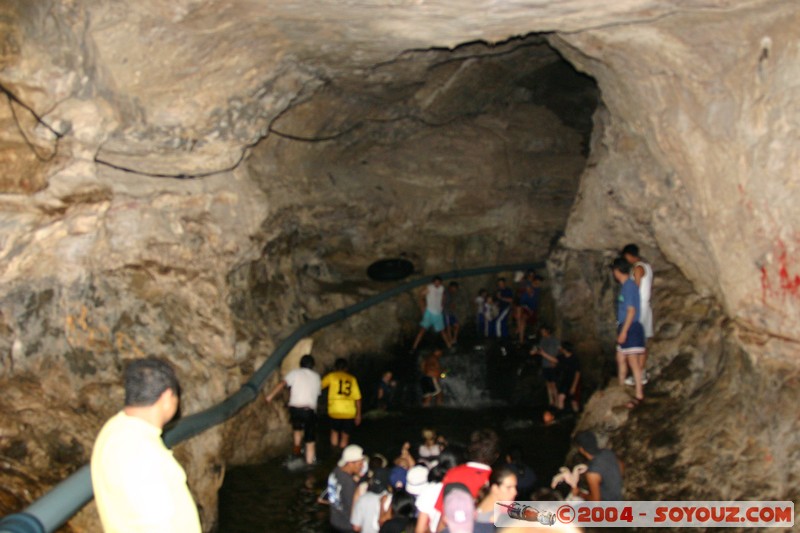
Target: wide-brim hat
416,478
351,454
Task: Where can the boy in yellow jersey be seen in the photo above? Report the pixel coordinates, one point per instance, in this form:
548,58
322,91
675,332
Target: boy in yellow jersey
344,403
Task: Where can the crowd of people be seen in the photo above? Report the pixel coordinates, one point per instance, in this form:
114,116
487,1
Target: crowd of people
509,310
432,487
437,487
505,312
427,488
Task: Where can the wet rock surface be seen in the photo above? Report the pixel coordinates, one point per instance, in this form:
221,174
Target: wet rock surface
714,423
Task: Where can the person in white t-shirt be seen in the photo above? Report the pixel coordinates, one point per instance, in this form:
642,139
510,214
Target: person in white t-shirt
432,304
365,517
304,390
432,445
427,514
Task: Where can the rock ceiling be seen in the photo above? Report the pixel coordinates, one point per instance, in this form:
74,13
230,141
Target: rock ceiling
183,88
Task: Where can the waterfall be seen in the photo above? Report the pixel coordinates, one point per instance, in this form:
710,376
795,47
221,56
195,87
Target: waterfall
465,382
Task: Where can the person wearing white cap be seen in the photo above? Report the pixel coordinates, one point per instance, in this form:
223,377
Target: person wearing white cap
342,487
416,479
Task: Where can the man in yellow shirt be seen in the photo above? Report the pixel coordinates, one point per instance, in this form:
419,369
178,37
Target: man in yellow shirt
344,403
138,485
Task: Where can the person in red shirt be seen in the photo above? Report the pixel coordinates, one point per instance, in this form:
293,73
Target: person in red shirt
482,451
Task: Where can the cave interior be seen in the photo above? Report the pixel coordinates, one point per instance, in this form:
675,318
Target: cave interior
195,181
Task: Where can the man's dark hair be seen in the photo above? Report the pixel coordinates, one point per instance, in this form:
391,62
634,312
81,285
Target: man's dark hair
447,460
622,265
483,446
453,284
568,347
631,249
588,441
146,380
499,473
379,482
403,504
340,364
436,278
307,361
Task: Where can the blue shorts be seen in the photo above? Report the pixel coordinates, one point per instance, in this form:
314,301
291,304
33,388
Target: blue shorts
432,320
450,319
634,342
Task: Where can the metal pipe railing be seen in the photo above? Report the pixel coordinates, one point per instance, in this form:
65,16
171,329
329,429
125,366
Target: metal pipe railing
52,510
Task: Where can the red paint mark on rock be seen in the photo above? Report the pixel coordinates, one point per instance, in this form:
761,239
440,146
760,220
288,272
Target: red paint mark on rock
790,284
787,283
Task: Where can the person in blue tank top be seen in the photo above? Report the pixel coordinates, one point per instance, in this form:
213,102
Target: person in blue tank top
630,333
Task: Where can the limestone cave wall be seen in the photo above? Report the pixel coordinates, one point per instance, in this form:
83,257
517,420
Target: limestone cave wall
693,162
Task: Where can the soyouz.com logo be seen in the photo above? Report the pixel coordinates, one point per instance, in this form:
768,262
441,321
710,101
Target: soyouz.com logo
645,514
